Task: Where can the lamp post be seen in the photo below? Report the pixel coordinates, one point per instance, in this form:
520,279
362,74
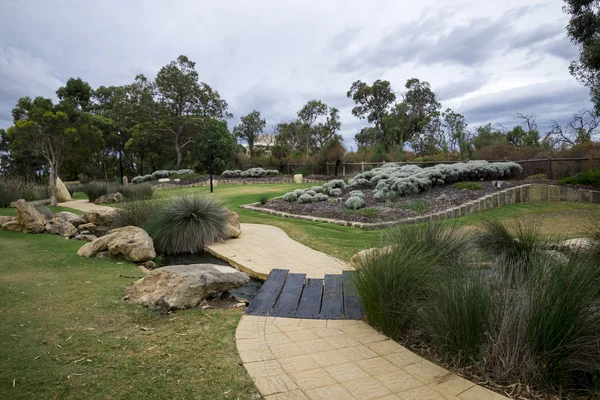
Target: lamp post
210,166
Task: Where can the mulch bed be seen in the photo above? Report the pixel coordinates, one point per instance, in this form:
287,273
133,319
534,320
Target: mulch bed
438,199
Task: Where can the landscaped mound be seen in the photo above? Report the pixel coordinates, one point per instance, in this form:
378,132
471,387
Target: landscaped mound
526,321
250,173
161,174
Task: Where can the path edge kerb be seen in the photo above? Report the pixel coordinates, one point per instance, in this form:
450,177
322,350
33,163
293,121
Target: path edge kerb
534,192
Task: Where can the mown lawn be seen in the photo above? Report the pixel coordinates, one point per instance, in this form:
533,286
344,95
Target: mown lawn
67,334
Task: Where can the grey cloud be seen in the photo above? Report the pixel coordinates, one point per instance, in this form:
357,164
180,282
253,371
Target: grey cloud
460,88
548,101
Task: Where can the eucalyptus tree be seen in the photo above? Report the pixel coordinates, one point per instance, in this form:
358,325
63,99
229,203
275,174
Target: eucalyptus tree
184,103
251,126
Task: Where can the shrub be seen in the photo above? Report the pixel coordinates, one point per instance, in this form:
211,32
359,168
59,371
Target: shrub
263,198
250,173
13,189
335,192
357,193
305,198
591,178
354,203
299,192
97,189
187,224
185,172
320,197
310,192
537,177
137,192
34,192
161,173
74,188
467,186
290,197
231,174
317,189
135,213
410,179
141,178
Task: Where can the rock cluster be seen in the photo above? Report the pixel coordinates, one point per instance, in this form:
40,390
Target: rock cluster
183,286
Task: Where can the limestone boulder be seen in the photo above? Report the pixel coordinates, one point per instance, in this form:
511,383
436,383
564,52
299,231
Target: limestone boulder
233,229
101,218
367,254
12,226
110,198
131,243
298,178
89,227
62,194
164,180
85,238
30,219
579,244
183,286
59,226
74,219
6,219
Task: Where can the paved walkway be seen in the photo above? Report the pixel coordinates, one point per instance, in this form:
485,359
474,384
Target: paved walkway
82,205
262,248
291,358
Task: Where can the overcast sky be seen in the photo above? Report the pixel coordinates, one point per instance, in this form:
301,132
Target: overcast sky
487,59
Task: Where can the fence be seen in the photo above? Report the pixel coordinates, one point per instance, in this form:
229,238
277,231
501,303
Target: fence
552,168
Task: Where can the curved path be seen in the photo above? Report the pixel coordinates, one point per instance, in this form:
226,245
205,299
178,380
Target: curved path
82,205
261,248
291,358
294,358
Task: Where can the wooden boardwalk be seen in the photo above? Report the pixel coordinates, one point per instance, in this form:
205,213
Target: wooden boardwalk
295,296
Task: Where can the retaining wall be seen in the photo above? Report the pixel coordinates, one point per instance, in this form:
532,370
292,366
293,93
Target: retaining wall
534,192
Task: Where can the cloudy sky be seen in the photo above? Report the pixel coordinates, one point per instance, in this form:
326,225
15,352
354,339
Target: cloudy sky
486,59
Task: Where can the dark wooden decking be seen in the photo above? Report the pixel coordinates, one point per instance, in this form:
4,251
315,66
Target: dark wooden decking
294,296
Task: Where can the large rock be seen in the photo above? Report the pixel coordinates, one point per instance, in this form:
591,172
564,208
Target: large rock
233,229
62,194
130,242
30,219
298,178
101,218
579,244
60,227
183,286
87,227
367,254
110,198
5,219
12,226
86,238
74,219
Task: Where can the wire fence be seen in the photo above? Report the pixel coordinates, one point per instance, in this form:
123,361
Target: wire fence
552,168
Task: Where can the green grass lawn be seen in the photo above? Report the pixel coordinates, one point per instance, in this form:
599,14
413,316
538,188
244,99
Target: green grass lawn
67,334
13,211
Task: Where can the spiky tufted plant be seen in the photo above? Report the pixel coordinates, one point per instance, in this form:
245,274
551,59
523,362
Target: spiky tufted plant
186,224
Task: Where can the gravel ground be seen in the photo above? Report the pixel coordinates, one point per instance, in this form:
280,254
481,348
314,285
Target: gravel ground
437,199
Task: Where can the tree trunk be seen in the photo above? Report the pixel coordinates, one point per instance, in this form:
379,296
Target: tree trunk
53,176
178,151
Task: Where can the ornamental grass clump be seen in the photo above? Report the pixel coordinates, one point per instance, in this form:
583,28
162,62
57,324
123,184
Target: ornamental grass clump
13,189
95,189
187,224
526,320
135,213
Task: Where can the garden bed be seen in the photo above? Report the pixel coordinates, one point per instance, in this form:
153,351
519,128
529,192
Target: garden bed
438,199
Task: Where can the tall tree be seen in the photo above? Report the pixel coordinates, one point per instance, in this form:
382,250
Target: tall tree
578,130
583,29
456,131
487,136
40,128
321,123
422,106
372,102
184,103
251,126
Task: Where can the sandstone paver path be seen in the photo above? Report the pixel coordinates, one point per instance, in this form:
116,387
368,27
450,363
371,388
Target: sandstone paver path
291,358
262,248
82,205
